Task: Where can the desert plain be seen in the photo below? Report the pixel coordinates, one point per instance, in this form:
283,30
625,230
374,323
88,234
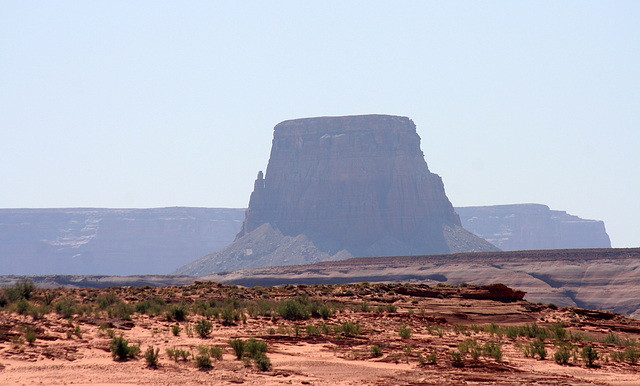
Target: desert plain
351,334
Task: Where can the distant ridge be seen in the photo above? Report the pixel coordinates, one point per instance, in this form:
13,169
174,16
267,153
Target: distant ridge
532,226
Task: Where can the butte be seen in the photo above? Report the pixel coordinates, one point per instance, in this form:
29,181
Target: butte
342,187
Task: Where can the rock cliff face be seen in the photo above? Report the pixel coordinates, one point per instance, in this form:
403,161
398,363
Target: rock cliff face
533,226
110,241
353,186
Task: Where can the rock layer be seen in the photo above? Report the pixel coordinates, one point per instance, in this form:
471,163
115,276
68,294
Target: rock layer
606,279
353,186
532,226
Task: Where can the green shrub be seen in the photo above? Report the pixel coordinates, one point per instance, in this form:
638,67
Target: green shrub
536,347
78,332
151,357
262,362
589,355
405,332
293,310
238,347
631,355
562,355
230,316
254,347
376,351
177,312
121,350
30,335
456,358
493,350
325,312
177,354
203,361
175,329
216,352
22,289
203,328
312,330
351,329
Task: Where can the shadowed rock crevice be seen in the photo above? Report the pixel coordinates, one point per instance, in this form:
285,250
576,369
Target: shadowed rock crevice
343,187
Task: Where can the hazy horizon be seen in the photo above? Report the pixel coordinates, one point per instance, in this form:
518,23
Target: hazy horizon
163,104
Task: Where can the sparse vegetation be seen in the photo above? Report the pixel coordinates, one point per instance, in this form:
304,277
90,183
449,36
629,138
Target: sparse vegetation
121,350
589,355
275,314
405,332
151,356
203,328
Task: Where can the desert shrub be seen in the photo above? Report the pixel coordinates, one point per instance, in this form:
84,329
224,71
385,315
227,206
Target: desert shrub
325,312
312,330
631,355
390,308
536,347
66,307
493,350
22,289
494,329
78,332
456,358
175,329
216,352
293,309
203,361
589,355
351,329
229,316
22,307
107,300
376,351
262,362
562,354
405,332
121,350
177,354
30,335
363,307
238,347
203,328
151,357
558,332
618,340
152,307
177,312
470,346
272,331
253,347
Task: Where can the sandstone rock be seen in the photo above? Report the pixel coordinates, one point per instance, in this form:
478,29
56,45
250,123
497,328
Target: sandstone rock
532,226
355,186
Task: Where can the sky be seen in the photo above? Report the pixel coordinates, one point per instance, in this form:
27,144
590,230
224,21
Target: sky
144,104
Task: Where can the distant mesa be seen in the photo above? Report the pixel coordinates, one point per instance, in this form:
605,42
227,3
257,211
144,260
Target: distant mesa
532,226
84,241
339,187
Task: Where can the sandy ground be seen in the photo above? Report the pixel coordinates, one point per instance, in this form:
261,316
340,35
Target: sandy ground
60,358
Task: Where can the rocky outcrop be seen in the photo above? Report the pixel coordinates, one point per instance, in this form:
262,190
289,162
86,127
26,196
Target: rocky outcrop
532,226
110,241
353,186
606,279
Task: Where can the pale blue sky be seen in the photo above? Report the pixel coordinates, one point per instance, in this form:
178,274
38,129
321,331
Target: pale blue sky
154,103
